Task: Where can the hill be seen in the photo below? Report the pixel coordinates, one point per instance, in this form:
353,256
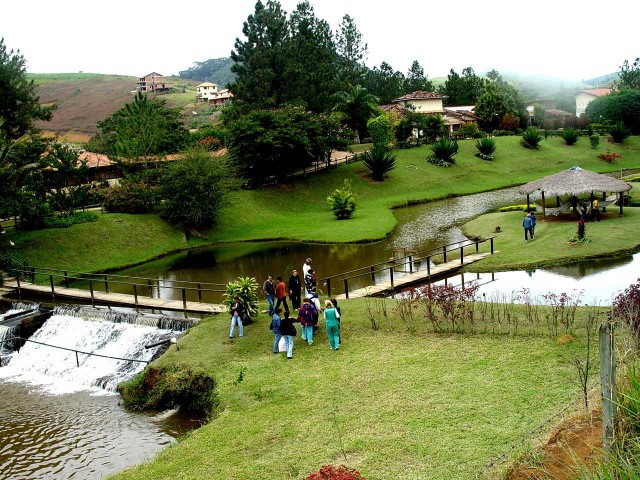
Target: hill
85,98
215,70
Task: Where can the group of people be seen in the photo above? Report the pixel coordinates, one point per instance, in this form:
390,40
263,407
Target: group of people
306,309
529,225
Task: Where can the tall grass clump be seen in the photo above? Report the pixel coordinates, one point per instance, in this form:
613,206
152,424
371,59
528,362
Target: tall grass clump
486,148
379,160
531,138
570,136
619,132
342,201
443,150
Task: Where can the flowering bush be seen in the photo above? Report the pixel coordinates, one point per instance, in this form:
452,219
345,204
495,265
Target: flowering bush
329,472
609,156
626,307
210,143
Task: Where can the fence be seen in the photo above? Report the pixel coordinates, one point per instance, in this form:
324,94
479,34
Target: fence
413,262
105,282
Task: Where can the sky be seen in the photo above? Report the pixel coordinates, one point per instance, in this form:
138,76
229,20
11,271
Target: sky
572,40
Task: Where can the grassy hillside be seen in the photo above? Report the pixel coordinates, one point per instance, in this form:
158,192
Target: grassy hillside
85,98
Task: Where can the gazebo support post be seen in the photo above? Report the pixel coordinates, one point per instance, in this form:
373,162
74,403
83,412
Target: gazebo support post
543,204
528,203
621,200
591,199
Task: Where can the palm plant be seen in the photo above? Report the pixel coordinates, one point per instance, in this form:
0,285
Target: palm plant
379,160
358,106
246,288
619,132
570,136
342,201
531,138
486,147
443,151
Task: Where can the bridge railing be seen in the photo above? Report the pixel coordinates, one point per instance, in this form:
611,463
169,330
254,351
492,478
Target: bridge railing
104,282
413,262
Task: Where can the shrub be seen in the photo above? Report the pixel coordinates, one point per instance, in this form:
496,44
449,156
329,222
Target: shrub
570,136
515,208
619,132
469,129
626,307
486,147
444,150
594,140
379,128
379,160
329,472
609,156
246,288
65,221
531,138
131,197
342,201
509,122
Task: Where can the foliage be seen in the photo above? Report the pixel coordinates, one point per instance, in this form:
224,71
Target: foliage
246,288
462,90
515,208
497,99
342,201
570,136
379,160
581,233
351,51
594,140
131,197
64,177
275,143
444,150
430,127
486,148
619,132
193,190
170,387
623,106
65,221
629,76
416,80
539,115
215,70
329,472
384,83
531,138
469,130
626,307
358,106
609,156
379,130
19,103
205,134
143,128
509,122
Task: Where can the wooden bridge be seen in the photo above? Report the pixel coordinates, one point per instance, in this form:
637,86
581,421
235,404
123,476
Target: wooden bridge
409,269
113,290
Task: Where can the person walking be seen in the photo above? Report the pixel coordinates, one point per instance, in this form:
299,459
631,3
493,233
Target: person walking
335,305
281,294
315,301
269,289
307,315
310,281
288,332
236,308
305,270
295,289
275,328
526,224
533,224
595,208
331,316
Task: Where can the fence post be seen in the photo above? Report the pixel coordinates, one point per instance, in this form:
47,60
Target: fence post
410,264
329,286
373,274
77,360
444,254
429,266
18,282
91,290
200,292
53,292
106,284
461,255
391,273
184,298
491,245
477,245
135,294
66,280
346,288
607,384
150,288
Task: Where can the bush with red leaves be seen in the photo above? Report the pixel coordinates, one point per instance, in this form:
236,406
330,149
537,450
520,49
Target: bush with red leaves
329,472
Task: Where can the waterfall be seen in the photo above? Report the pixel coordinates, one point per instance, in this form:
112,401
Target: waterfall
7,343
56,369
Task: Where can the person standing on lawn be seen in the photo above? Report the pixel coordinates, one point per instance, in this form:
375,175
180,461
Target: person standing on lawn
526,224
305,270
332,324
269,289
281,294
295,289
308,317
288,331
275,328
236,308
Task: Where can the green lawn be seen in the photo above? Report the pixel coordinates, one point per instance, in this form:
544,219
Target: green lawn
397,405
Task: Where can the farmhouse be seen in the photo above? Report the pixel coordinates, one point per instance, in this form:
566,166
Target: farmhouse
585,97
153,82
210,92
422,102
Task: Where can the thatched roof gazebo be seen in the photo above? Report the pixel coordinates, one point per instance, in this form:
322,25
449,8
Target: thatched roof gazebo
573,182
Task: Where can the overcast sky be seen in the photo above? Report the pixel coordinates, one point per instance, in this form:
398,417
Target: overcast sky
573,40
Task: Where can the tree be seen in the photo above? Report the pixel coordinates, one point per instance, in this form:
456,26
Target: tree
351,50
416,79
143,128
539,115
194,189
19,104
629,76
623,106
385,83
462,90
259,60
497,99
358,106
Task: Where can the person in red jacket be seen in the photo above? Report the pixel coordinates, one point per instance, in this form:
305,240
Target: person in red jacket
281,294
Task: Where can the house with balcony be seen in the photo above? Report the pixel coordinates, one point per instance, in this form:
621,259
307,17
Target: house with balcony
153,82
213,94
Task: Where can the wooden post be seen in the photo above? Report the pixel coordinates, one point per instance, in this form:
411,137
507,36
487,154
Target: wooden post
373,274
184,299
607,384
329,286
429,266
491,245
135,294
53,292
391,274
528,203
150,288
66,280
477,245
410,264
543,205
461,255
199,292
91,290
346,288
18,282
77,360
444,254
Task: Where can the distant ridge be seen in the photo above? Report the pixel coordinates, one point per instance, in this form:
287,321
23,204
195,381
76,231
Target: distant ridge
215,70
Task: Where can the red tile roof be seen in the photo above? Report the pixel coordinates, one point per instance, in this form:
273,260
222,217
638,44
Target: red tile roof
597,92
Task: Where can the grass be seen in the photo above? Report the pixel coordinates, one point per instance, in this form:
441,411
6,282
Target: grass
391,404
613,235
